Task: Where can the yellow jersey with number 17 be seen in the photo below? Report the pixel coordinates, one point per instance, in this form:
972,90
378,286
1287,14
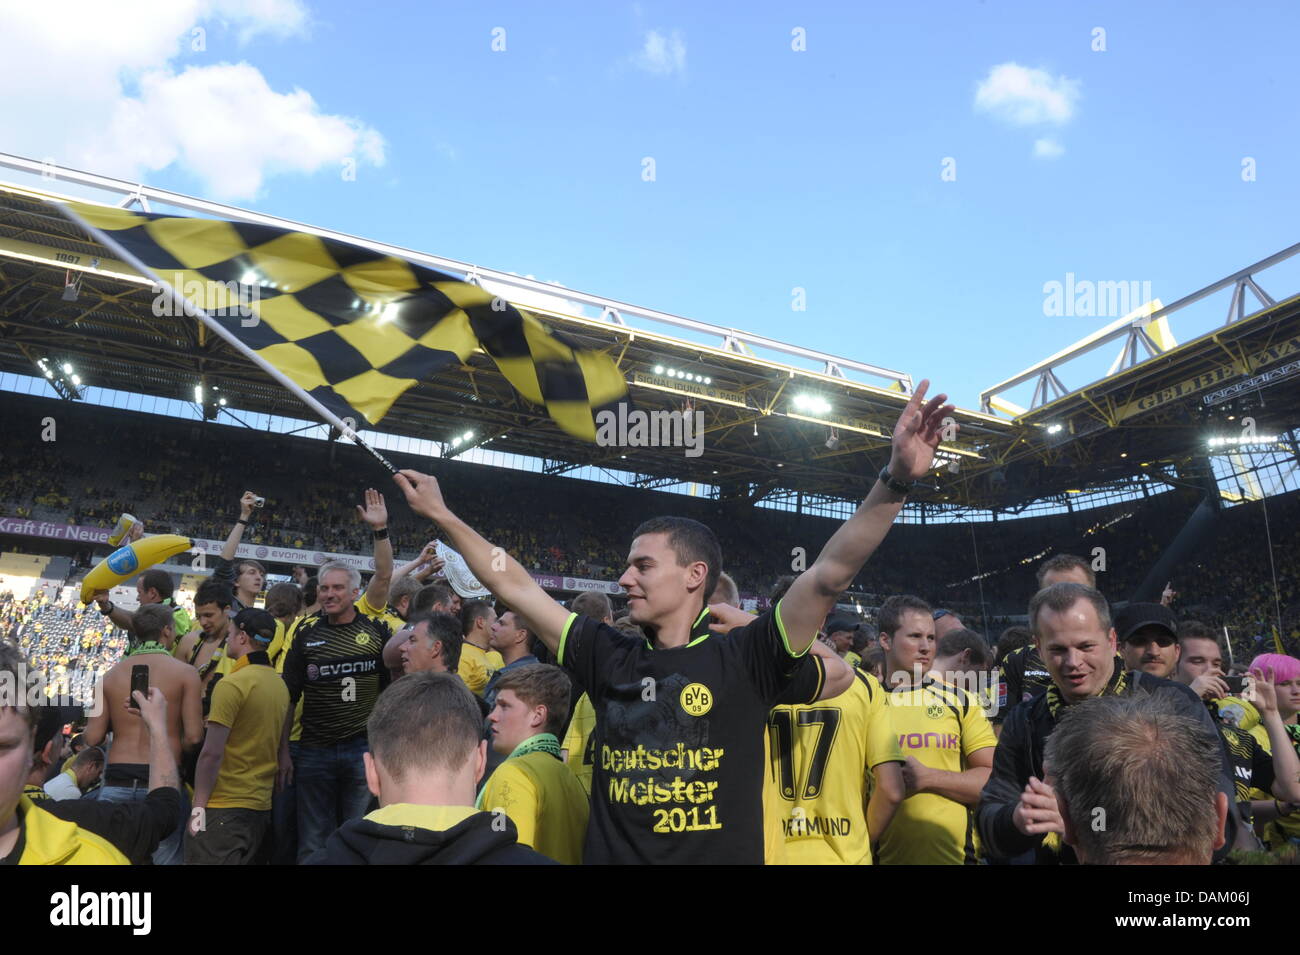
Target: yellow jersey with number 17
816,789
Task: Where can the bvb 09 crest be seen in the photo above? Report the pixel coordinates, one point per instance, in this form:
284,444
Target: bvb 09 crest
697,699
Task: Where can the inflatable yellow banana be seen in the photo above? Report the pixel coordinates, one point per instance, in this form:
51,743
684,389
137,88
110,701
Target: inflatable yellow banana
130,560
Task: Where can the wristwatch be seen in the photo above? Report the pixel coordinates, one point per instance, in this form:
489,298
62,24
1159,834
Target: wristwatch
895,485
381,534
105,611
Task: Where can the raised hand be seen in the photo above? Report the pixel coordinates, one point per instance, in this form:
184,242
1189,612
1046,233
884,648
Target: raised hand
375,513
246,503
422,493
918,433
1263,692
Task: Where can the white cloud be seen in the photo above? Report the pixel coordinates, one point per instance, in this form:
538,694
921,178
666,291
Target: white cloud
662,55
227,126
90,88
1025,97
278,18
1048,149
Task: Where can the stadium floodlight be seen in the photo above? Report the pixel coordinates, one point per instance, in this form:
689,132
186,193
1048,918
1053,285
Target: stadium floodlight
76,380
455,442
1054,429
67,368
812,404
48,373
1242,440
659,369
222,402
708,380
469,436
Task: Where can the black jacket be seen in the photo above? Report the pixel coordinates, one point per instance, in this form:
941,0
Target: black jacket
472,842
1019,755
134,828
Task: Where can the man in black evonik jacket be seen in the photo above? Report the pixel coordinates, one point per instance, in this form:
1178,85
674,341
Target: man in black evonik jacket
1072,629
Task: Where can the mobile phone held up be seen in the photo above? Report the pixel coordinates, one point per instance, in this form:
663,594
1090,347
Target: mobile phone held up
1236,684
139,681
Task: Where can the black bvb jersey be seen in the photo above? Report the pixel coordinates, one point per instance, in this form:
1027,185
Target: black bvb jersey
338,670
678,758
1252,766
1022,676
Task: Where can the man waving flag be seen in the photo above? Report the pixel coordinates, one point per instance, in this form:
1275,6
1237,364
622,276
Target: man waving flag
347,328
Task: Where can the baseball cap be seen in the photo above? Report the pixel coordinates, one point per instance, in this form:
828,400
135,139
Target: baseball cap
1132,618
258,624
841,621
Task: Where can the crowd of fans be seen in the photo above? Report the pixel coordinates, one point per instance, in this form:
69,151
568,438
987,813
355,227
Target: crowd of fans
574,528
309,721
74,646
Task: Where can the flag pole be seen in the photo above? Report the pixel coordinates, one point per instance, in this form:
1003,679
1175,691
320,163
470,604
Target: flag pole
195,312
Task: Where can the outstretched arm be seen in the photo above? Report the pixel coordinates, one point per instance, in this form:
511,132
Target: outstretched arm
495,569
375,514
237,532
424,564
813,594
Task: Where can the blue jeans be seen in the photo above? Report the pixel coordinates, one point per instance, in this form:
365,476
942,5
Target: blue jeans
171,850
331,783
284,818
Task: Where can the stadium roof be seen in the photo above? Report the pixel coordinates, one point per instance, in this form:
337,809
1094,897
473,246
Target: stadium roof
769,407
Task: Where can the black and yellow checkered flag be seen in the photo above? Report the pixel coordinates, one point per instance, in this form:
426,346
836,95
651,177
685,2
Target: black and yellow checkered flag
351,327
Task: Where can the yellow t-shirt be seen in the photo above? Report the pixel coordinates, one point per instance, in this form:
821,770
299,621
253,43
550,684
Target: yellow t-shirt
477,666
383,613
819,758
941,726
252,702
544,800
579,748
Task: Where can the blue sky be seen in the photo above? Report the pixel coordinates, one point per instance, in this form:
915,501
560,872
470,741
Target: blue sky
774,168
